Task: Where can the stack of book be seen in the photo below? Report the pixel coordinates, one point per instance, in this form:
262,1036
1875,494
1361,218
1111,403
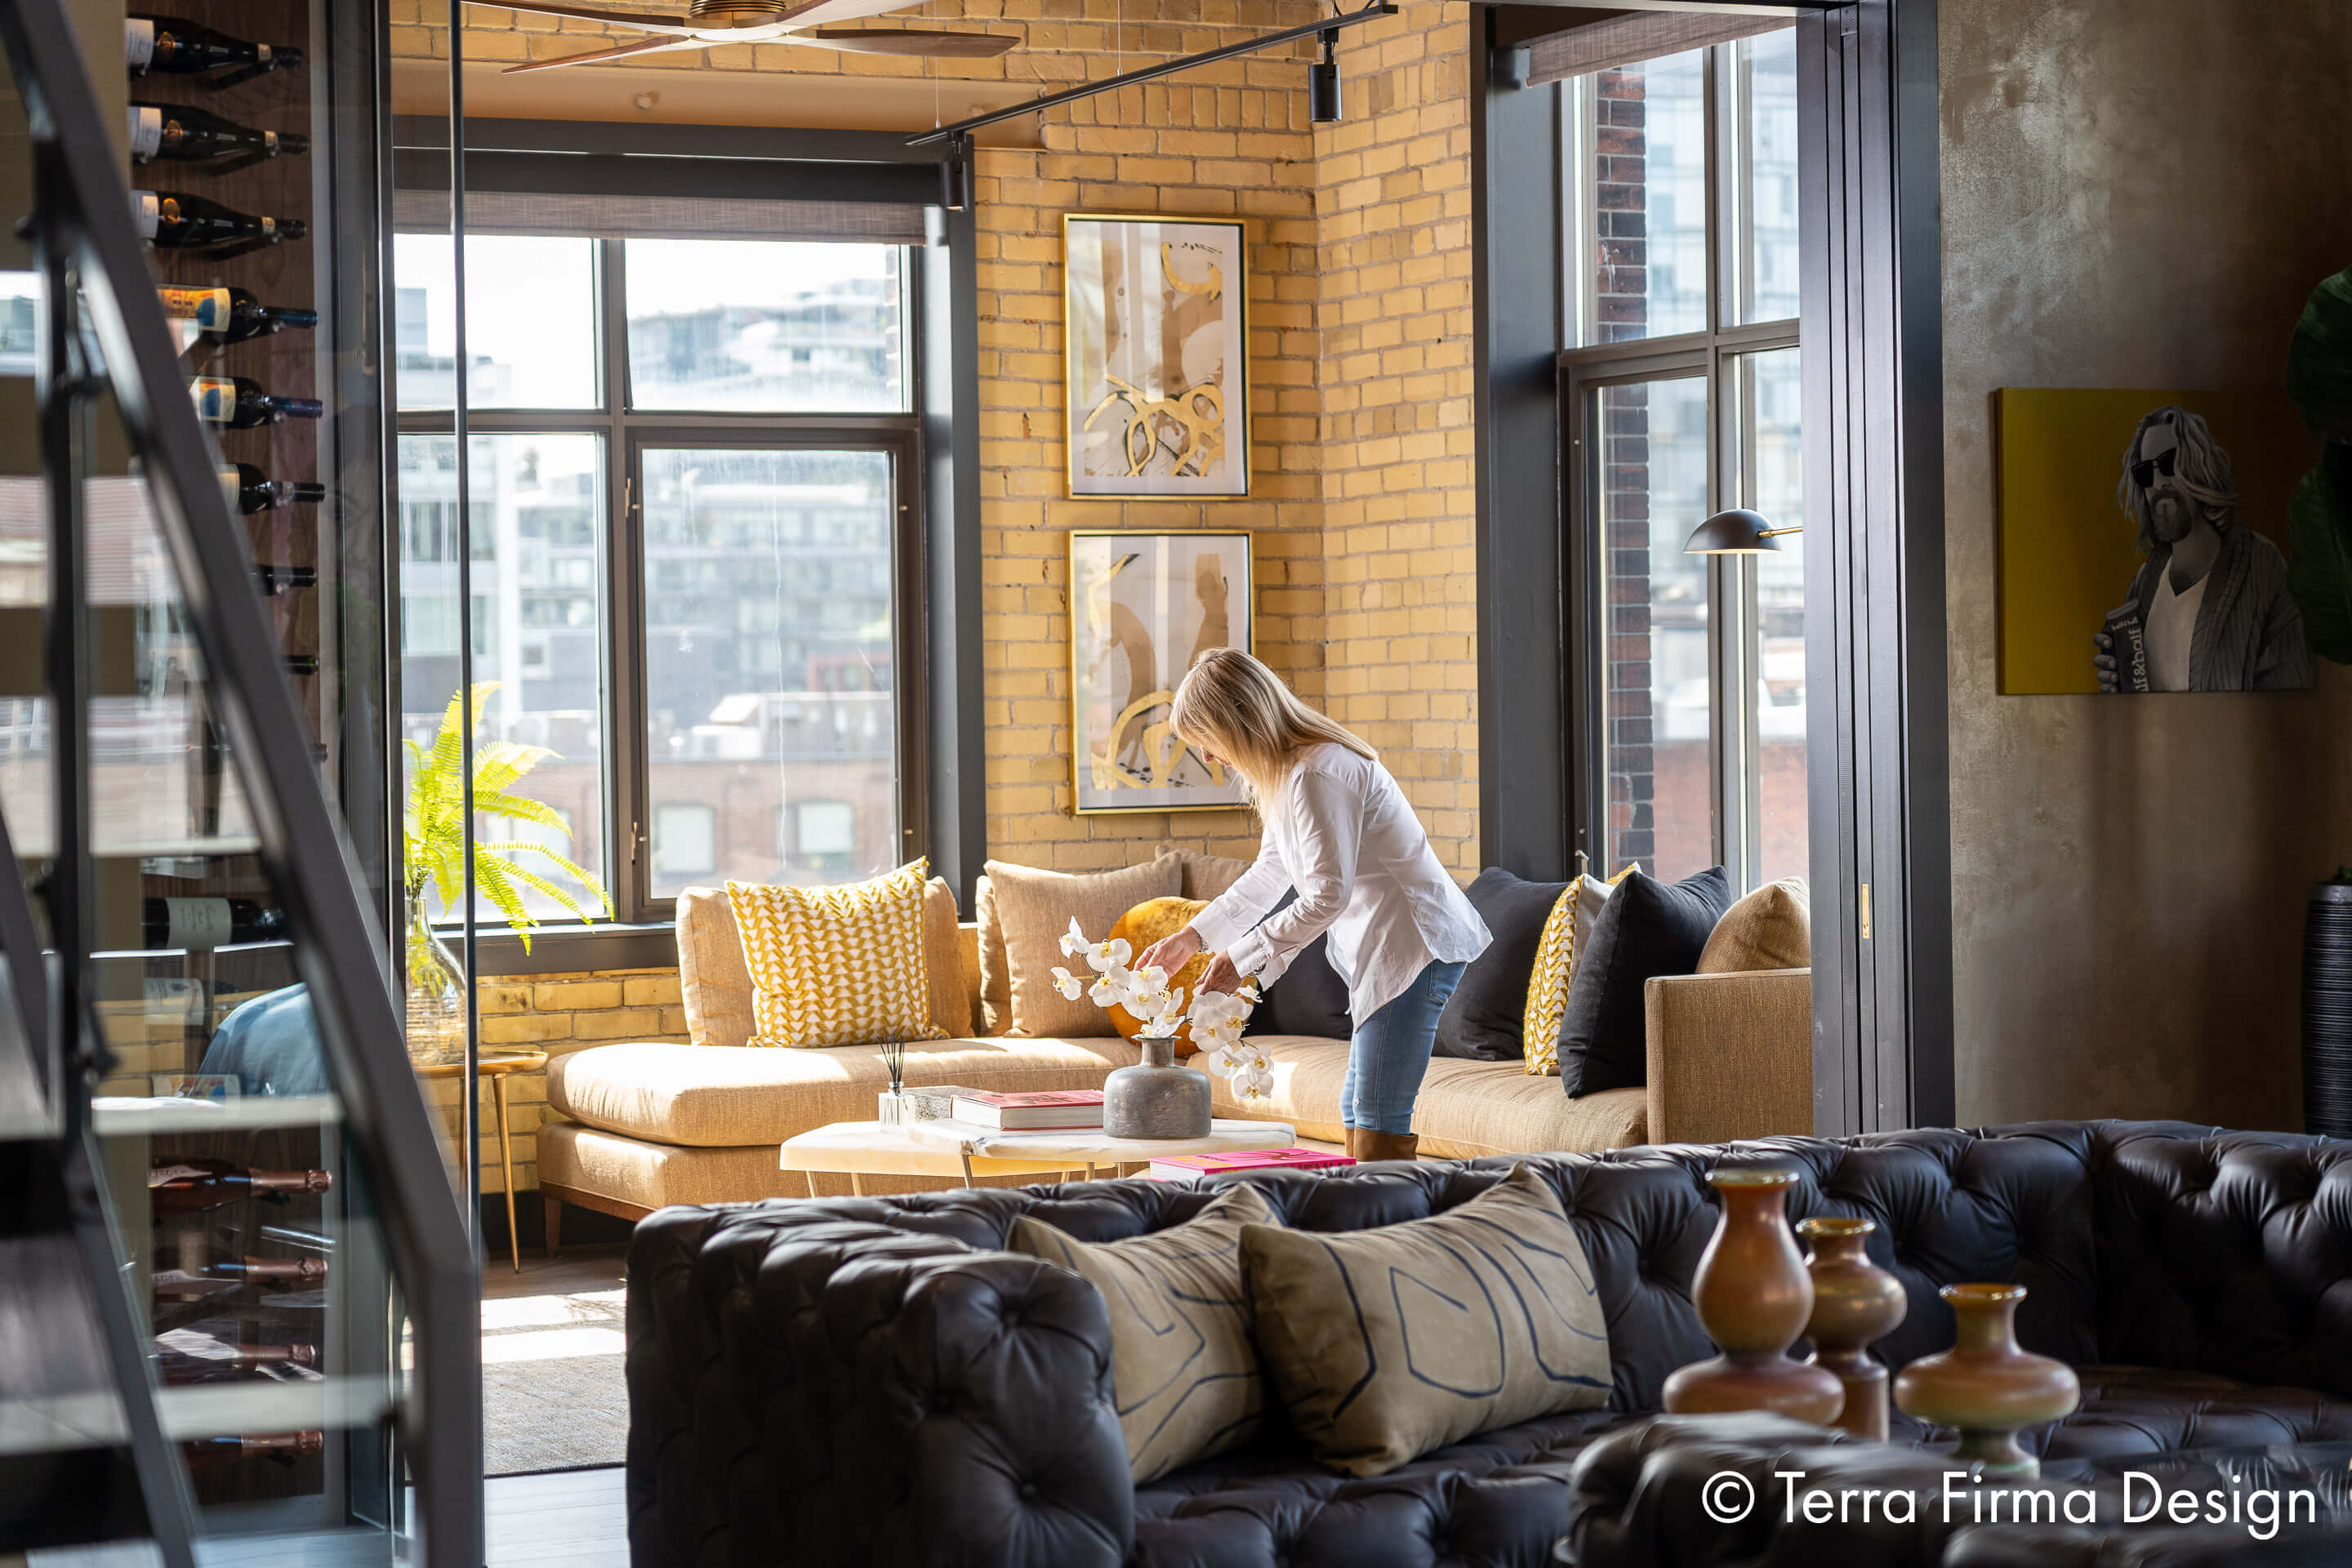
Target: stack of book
1194,1169
1062,1110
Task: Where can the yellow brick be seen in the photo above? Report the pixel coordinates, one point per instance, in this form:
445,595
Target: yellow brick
526,1028
620,1024
650,991
576,994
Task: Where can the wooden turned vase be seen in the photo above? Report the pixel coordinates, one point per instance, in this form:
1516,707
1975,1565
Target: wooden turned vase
1855,1304
1754,1297
1985,1385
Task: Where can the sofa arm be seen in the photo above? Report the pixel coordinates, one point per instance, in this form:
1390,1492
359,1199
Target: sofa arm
814,1389
1731,1056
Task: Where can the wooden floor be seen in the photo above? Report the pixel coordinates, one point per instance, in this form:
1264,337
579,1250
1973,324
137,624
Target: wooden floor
578,1268
576,1519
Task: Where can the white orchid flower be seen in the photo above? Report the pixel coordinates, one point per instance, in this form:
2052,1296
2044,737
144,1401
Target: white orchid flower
1151,977
1105,956
1067,983
1074,941
1253,1083
1106,991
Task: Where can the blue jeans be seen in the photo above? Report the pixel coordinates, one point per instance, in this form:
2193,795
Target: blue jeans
1390,1052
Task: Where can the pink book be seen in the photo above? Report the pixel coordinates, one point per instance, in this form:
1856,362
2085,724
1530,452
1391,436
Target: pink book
1193,1167
1061,1111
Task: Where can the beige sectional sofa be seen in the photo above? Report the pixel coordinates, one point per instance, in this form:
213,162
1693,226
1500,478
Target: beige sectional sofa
1730,1056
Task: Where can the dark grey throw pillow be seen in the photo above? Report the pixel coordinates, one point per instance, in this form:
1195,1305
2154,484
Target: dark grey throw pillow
1647,928
1483,1019
1310,999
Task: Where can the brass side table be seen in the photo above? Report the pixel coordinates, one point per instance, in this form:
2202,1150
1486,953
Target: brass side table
497,1070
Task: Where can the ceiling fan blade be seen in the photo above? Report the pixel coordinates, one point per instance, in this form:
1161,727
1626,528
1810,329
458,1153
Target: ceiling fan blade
651,24
643,46
880,41
817,13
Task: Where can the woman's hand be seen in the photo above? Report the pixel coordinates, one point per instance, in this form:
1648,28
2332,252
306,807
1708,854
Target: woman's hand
1170,952
1221,975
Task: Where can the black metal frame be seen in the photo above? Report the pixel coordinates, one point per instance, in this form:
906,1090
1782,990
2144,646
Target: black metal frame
1873,538
84,219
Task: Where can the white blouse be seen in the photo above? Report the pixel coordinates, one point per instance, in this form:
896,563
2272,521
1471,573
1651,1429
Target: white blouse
1344,835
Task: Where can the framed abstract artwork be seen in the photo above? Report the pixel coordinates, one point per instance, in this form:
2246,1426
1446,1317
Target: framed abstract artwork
1155,356
1144,607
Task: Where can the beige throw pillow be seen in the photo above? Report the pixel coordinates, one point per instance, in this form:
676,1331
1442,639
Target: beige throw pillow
1183,1373
1384,1345
1023,914
1565,933
1771,928
837,966
716,983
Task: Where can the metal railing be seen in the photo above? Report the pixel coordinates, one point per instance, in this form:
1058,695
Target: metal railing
96,276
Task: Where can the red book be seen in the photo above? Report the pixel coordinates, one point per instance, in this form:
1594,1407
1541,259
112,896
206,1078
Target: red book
1057,1111
1192,1168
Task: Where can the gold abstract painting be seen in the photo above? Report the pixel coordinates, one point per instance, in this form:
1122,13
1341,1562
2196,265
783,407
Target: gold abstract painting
1155,356
1143,608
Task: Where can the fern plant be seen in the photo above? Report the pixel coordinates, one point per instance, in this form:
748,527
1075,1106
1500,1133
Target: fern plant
433,837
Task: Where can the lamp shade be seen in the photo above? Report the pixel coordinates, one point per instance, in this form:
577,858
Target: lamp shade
1738,531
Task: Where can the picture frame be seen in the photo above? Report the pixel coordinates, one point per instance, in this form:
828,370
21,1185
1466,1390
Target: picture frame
1144,607
1155,356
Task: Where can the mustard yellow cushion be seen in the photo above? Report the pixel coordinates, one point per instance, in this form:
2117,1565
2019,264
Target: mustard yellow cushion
837,966
1147,923
1564,933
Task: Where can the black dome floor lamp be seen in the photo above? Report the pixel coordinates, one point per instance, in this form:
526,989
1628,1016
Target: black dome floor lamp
1323,107
1738,531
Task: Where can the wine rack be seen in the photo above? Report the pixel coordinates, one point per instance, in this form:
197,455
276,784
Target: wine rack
264,1318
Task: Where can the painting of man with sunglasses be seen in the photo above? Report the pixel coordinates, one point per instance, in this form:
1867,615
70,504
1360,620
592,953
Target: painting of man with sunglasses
2209,609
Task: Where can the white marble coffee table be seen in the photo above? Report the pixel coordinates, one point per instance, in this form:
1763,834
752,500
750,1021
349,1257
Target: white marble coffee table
953,1149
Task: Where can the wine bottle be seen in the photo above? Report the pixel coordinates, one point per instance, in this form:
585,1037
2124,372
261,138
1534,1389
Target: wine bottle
175,47
184,1356
299,663
250,490
191,1186
241,404
232,315
185,135
198,925
276,580
178,221
231,1274
206,1453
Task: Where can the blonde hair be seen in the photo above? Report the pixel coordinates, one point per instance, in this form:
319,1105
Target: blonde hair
1231,704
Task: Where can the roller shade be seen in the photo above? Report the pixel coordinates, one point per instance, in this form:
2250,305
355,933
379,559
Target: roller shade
610,196
1622,38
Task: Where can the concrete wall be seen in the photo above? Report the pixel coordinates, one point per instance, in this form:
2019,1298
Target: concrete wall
2136,194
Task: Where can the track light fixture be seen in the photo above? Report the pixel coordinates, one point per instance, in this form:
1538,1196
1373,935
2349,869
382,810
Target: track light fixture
955,174
1323,106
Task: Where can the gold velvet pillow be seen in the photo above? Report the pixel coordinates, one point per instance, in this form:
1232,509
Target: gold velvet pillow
1147,923
837,966
1564,935
1183,1374
1771,928
1386,1344
1023,912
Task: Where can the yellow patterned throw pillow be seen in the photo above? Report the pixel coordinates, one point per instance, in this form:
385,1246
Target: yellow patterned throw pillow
1564,932
837,966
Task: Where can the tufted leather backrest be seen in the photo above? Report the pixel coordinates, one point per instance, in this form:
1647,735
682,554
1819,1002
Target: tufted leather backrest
2226,1252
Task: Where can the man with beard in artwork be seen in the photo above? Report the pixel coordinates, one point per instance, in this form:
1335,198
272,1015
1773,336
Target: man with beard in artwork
2209,609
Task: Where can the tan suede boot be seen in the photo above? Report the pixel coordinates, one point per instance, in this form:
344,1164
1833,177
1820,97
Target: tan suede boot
1366,1144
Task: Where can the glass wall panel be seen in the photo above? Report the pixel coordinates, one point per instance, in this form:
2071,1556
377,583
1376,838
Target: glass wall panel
530,320
765,326
1656,701
771,719
1772,399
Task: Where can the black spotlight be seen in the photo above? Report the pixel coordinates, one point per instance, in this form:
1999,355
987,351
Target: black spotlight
955,175
1323,106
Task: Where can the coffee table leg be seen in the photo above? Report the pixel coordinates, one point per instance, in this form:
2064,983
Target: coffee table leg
965,1155
506,1159
809,1176
857,1184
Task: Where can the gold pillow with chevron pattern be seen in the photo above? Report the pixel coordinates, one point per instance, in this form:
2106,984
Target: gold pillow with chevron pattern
1564,934
836,966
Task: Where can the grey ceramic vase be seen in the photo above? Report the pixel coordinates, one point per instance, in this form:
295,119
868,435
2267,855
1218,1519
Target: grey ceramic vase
1156,1099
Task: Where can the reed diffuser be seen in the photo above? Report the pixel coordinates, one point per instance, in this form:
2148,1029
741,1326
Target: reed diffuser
893,1100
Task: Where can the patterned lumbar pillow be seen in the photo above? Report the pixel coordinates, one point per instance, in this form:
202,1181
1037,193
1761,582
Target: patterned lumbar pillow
837,966
1183,1373
1564,937
1386,1344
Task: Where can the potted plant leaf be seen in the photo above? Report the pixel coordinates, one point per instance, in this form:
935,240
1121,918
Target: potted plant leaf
433,855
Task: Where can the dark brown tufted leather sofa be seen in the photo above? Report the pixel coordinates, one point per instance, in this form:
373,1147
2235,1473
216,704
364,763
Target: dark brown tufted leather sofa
854,1381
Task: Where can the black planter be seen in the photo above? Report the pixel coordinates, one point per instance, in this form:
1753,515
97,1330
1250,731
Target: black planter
2327,1011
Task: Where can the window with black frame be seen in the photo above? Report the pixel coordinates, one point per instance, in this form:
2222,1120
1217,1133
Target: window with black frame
696,518
1681,394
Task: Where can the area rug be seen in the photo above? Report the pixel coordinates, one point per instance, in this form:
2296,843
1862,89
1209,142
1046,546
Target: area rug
553,1397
